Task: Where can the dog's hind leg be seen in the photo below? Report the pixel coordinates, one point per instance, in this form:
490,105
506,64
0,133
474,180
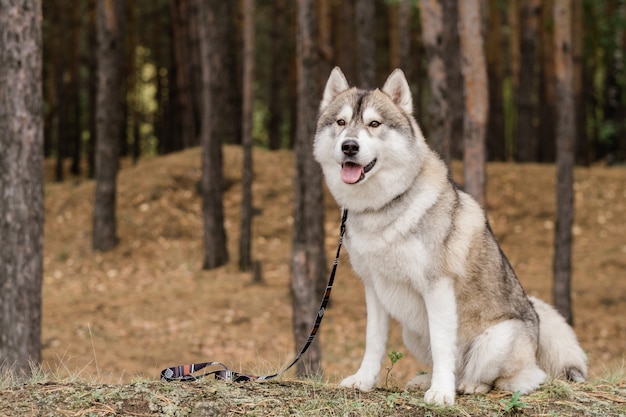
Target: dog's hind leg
504,356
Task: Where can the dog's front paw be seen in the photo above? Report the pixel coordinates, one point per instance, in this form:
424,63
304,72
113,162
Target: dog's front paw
439,397
360,382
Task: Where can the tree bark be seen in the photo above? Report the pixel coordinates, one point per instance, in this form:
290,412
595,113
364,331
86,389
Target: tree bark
344,41
74,90
245,238
431,16
21,185
495,71
565,134
400,34
308,258
213,33
547,95
279,34
92,66
476,97
365,43
180,15
526,130
513,73
578,55
454,77
109,118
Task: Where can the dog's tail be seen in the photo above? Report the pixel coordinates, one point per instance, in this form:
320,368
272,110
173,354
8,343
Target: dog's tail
559,353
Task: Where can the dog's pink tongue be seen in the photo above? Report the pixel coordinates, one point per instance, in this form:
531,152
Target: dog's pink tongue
351,173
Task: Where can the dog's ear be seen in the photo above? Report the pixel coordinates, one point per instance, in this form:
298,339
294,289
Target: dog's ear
397,87
336,84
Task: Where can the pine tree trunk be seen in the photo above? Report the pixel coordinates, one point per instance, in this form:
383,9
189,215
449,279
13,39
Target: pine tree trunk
578,55
513,69
21,185
308,258
109,119
527,137
364,12
245,238
474,72
213,33
495,69
547,95
92,65
280,72
431,15
74,90
399,34
179,11
345,40
565,134
454,77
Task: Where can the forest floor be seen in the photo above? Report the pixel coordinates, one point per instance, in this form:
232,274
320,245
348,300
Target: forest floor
122,316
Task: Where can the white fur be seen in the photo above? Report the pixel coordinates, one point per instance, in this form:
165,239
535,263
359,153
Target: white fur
558,346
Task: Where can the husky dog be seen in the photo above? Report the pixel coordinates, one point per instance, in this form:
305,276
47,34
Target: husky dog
428,258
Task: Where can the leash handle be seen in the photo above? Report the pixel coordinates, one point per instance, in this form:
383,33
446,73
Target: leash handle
185,372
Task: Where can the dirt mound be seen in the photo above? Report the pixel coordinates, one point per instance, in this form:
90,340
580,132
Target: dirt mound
147,304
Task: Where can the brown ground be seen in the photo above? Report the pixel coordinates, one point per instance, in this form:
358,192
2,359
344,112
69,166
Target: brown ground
148,304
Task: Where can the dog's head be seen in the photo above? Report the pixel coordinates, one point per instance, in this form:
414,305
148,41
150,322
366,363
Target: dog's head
367,141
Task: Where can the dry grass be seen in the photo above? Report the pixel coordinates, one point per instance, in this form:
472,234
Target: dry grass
295,398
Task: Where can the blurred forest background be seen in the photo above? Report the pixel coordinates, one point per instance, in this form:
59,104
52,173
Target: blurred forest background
162,74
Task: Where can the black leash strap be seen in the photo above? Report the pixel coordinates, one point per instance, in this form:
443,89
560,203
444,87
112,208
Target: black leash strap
186,372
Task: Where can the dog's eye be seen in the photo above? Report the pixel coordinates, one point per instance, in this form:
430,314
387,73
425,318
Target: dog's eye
374,123
341,122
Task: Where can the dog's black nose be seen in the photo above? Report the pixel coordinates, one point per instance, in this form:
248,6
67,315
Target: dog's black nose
350,147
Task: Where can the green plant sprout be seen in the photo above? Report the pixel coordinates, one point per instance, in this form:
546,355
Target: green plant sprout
393,357
514,403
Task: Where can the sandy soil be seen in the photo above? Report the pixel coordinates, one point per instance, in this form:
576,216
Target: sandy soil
146,305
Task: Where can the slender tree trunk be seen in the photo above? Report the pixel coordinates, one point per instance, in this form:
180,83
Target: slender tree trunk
547,94
514,76
454,77
578,55
229,84
365,43
131,125
400,34
74,90
109,118
308,258
182,54
495,71
21,185
324,38
50,46
474,72
92,65
431,15
245,239
61,63
345,40
527,133
565,134
213,37
280,72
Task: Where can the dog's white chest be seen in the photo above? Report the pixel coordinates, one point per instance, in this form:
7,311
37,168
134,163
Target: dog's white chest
396,271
